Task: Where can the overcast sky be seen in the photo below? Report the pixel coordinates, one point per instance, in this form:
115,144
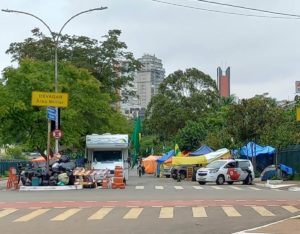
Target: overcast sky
263,53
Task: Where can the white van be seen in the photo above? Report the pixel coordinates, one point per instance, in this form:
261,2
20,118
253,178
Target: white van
227,170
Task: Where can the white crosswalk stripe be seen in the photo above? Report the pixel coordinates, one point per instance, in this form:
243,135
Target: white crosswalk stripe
262,211
254,188
166,213
139,187
236,188
291,209
159,187
31,215
100,214
6,212
231,211
178,187
133,213
65,215
197,187
216,187
199,212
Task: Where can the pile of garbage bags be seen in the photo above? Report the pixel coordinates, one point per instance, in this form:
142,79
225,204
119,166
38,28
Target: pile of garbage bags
60,173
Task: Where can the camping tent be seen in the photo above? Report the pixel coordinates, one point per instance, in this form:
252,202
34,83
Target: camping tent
264,156
150,164
204,159
204,149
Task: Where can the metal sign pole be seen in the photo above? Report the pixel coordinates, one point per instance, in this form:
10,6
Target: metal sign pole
48,144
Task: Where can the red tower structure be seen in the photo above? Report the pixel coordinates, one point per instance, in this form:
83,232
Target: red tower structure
223,82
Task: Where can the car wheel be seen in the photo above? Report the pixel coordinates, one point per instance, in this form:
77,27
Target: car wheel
182,176
230,182
220,180
202,182
167,176
248,180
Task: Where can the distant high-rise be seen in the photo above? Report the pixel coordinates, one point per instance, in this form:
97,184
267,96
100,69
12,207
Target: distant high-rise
223,82
148,78
145,85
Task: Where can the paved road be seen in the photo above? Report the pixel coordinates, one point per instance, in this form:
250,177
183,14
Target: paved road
147,205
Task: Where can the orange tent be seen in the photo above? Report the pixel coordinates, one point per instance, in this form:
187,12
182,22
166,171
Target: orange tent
38,160
150,164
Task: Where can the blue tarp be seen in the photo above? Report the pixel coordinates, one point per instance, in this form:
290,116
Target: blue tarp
165,157
264,156
253,150
204,149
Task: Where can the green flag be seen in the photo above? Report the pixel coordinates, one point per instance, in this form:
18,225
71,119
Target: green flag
135,139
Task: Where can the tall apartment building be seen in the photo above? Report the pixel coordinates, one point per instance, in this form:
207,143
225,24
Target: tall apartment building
223,82
146,84
148,78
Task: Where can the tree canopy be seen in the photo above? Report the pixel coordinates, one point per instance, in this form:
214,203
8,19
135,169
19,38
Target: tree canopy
89,110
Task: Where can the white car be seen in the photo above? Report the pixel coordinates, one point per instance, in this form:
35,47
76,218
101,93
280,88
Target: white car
227,170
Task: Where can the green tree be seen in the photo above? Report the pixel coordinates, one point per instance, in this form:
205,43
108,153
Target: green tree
183,95
108,61
89,110
191,136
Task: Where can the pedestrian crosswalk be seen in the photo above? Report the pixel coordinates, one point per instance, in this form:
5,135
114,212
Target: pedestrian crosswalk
133,213
197,187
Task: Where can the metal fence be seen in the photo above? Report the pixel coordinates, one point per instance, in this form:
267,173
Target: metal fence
290,157
6,164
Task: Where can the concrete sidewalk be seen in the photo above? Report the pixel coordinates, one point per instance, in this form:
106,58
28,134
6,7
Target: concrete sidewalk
286,226
285,185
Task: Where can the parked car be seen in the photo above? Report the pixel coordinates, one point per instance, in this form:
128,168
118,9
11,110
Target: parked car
227,170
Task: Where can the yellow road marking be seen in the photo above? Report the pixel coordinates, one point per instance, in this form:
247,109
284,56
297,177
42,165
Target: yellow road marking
100,214
6,212
262,211
166,213
231,211
133,213
199,212
65,215
31,215
291,209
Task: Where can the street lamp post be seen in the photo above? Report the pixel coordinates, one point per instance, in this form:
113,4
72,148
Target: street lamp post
55,38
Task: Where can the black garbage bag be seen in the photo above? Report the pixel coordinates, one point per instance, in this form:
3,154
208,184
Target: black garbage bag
28,182
64,159
68,165
45,182
23,179
52,182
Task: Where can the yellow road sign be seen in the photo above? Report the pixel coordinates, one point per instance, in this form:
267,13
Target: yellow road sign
49,99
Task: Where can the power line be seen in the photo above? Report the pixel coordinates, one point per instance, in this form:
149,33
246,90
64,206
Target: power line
224,12
249,8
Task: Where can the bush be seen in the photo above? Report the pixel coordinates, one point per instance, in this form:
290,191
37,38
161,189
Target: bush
276,177
296,177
